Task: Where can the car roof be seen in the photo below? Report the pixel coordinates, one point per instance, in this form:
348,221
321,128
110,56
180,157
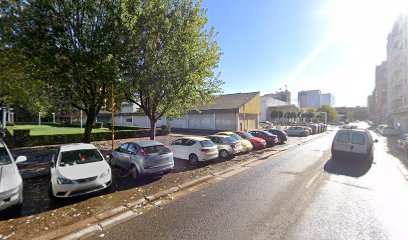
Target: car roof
223,136
76,146
225,133
353,130
148,143
194,138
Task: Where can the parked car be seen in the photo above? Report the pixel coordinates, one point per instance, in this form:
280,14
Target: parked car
143,158
282,135
78,169
194,149
270,138
354,143
257,143
403,143
390,131
226,145
266,125
246,145
11,183
297,131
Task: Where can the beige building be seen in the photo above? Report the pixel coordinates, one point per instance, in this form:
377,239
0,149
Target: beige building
397,74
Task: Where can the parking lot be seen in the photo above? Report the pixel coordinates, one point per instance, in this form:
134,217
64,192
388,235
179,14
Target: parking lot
44,214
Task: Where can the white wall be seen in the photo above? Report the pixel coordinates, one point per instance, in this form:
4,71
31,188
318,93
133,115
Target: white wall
225,121
201,121
178,123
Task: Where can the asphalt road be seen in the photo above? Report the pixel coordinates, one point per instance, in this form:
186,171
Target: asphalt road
301,194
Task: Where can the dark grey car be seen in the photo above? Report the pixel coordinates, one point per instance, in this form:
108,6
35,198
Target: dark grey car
143,157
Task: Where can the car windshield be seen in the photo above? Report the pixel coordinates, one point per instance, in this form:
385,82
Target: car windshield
235,136
82,156
156,150
207,143
4,157
230,140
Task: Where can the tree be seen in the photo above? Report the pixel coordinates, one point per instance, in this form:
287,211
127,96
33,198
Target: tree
170,58
74,48
18,88
332,114
309,113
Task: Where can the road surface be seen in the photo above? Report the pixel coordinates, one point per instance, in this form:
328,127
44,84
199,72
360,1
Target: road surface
301,194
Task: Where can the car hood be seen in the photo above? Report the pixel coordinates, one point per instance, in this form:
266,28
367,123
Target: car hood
9,178
245,143
81,171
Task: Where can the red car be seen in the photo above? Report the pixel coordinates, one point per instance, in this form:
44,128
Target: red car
257,143
271,139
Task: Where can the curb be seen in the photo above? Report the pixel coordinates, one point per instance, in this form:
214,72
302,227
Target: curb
89,226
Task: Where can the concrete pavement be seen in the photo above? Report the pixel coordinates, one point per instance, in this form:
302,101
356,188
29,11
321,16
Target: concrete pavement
301,194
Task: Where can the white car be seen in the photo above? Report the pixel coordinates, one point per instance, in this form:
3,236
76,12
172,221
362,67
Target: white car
390,131
194,149
297,131
11,183
78,169
353,143
226,145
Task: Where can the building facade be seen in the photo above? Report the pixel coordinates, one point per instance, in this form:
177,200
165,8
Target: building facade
229,112
397,74
309,99
327,99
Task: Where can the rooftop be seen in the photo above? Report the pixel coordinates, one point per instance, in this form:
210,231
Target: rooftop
230,101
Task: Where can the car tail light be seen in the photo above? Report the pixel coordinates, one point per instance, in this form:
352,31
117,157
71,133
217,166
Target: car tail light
204,150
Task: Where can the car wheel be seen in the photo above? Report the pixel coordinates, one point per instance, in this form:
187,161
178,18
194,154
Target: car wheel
303,134
193,159
224,153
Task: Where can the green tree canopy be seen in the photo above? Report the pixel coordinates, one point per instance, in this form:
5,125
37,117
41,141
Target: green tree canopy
332,114
170,58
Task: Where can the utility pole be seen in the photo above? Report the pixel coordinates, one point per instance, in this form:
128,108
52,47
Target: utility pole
39,118
80,116
113,117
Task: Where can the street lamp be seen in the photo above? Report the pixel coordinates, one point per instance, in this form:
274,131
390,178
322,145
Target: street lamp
53,117
39,118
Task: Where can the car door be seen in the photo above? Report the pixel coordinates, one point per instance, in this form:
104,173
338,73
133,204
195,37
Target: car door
133,156
342,141
217,142
120,155
187,146
176,148
359,142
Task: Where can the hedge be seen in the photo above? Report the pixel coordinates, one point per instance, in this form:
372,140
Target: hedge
75,125
22,137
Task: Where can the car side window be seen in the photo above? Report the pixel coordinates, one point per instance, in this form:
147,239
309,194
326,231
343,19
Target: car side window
123,148
177,142
132,149
189,142
358,138
215,140
343,137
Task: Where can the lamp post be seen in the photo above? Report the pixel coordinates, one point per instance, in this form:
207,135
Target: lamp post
53,117
39,118
113,117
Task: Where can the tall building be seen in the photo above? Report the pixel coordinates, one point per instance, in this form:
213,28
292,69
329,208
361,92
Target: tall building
378,110
397,74
309,99
327,99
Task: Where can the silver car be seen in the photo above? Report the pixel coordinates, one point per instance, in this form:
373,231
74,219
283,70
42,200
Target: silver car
11,183
143,157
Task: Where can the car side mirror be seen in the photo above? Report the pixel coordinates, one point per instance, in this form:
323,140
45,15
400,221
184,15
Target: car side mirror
376,140
21,159
107,157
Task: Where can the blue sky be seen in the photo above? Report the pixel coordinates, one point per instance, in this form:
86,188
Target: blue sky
331,45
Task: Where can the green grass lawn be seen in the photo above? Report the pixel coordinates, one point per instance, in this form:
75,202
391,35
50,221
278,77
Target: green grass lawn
50,130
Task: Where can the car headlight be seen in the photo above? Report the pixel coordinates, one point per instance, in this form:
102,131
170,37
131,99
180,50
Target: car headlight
106,173
62,181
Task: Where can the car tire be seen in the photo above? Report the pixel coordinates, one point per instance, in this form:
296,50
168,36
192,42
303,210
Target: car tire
193,159
224,153
303,134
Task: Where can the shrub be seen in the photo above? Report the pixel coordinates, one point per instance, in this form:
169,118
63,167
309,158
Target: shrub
22,138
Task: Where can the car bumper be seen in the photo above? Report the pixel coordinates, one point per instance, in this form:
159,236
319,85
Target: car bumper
77,189
349,155
208,156
158,169
235,151
11,200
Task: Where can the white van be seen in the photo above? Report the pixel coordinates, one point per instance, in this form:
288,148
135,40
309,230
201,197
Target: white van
353,143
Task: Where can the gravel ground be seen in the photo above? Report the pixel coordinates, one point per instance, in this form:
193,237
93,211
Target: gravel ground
40,215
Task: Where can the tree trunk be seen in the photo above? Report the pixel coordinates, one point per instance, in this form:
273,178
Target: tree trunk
90,119
152,128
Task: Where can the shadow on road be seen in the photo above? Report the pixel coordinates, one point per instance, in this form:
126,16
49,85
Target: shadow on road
348,167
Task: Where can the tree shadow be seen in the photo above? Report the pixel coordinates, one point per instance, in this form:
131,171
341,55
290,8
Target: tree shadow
348,167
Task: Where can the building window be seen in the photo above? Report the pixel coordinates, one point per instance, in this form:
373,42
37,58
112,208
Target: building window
128,120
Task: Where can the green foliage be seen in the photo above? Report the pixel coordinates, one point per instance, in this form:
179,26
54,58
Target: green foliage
74,48
332,114
170,57
309,113
22,138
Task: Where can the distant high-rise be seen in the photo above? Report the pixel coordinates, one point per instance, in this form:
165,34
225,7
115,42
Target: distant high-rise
315,99
327,99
